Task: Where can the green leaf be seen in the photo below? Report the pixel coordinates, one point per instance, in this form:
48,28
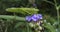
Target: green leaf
23,11
12,17
19,24
49,27
51,20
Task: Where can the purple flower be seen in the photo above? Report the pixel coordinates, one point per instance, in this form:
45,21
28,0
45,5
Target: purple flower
34,5
34,17
39,16
28,18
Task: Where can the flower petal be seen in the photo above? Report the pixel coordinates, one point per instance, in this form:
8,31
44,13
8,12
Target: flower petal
28,18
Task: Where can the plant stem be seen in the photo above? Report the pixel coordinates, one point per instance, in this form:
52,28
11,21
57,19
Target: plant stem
57,10
1,29
49,2
27,27
6,29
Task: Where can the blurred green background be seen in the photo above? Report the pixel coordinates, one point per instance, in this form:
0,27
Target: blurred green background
14,21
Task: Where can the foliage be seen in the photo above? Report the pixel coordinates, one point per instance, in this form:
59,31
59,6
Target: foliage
23,24
24,11
16,23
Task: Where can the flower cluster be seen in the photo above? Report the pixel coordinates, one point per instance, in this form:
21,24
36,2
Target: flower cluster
37,22
34,17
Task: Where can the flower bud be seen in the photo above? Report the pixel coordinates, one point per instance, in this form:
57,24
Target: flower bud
38,23
31,24
40,28
41,21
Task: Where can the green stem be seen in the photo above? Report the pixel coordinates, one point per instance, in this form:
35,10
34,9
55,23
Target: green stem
12,17
57,10
1,28
58,15
6,29
49,2
27,27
